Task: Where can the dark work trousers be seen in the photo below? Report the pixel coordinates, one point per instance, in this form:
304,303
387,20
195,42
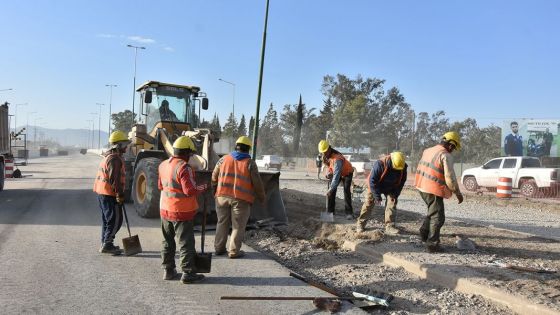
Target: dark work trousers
429,232
347,184
111,218
184,232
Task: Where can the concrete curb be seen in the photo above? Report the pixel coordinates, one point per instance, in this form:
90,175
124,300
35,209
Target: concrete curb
515,303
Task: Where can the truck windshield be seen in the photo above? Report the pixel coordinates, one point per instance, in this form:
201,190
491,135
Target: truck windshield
170,104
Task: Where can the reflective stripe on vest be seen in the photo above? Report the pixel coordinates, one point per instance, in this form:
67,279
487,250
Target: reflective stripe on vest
346,166
430,176
235,179
102,183
172,197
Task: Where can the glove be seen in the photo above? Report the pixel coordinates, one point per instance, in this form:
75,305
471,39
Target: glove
120,199
460,197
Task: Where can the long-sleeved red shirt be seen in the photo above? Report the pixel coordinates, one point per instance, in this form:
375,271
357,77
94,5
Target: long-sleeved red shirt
189,188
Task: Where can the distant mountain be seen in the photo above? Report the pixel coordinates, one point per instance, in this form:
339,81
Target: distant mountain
67,137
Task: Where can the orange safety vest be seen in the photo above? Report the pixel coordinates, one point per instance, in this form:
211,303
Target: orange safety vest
235,180
346,166
384,163
430,176
102,184
173,201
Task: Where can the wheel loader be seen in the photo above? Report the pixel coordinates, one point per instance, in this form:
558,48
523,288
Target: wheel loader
167,111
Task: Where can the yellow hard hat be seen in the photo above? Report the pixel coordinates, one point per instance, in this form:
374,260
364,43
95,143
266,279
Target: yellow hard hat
397,160
453,136
184,142
323,146
243,140
117,136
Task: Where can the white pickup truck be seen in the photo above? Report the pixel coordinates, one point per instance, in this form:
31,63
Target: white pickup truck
360,164
269,161
526,174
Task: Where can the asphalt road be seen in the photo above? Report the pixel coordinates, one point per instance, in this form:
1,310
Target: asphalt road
49,237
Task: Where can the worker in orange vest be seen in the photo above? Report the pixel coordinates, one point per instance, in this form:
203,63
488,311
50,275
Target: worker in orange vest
178,206
387,177
339,169
236,182
436,180
109,186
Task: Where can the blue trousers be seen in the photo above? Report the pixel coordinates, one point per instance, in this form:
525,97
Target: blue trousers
111,218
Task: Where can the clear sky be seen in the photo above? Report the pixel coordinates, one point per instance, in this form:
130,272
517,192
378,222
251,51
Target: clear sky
490,60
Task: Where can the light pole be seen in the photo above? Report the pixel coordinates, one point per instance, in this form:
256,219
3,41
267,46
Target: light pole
88,133
15,116
111,86
233,102
263,48
35,130
134,85
99,126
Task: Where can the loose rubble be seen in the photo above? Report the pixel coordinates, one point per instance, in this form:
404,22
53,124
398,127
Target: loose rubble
314,249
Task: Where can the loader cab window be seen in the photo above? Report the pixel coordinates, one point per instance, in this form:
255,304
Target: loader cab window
169,104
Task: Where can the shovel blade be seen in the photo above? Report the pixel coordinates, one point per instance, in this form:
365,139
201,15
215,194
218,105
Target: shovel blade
131,245
327,217
203,262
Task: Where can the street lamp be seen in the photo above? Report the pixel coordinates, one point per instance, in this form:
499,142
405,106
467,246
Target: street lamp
134,85
99,126
233,103
111,86
88,142
15,116
35,130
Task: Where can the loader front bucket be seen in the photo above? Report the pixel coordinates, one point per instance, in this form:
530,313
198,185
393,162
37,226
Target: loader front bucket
272,212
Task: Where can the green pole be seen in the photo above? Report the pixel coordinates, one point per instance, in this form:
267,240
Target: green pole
256,127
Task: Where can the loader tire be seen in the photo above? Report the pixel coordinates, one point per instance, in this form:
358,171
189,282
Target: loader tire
145,192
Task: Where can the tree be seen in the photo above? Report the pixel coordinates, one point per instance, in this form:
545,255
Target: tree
251,126
123,121
230,128
242,129
299,124
270,136
215,125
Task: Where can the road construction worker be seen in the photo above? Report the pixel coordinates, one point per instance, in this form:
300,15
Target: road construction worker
178,207
338,169
387,177
236,183
436,180
109,186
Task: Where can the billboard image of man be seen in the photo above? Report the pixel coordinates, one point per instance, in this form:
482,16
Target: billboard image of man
513,143
547,140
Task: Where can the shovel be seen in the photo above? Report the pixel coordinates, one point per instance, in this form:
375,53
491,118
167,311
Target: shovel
131,244
203,261
327,216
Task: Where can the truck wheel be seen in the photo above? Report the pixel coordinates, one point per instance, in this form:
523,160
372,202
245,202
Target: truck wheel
145,192
529,188
2,175
470,183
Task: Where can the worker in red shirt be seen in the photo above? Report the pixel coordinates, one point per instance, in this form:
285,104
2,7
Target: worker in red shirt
109,186
178,206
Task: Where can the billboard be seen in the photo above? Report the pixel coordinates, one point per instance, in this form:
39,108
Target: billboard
531,137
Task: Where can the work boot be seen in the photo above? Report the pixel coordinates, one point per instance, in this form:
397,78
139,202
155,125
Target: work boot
109,248
169,274
239,254
191,277
391,230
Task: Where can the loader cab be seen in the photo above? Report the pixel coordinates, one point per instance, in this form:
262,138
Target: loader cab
172,103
